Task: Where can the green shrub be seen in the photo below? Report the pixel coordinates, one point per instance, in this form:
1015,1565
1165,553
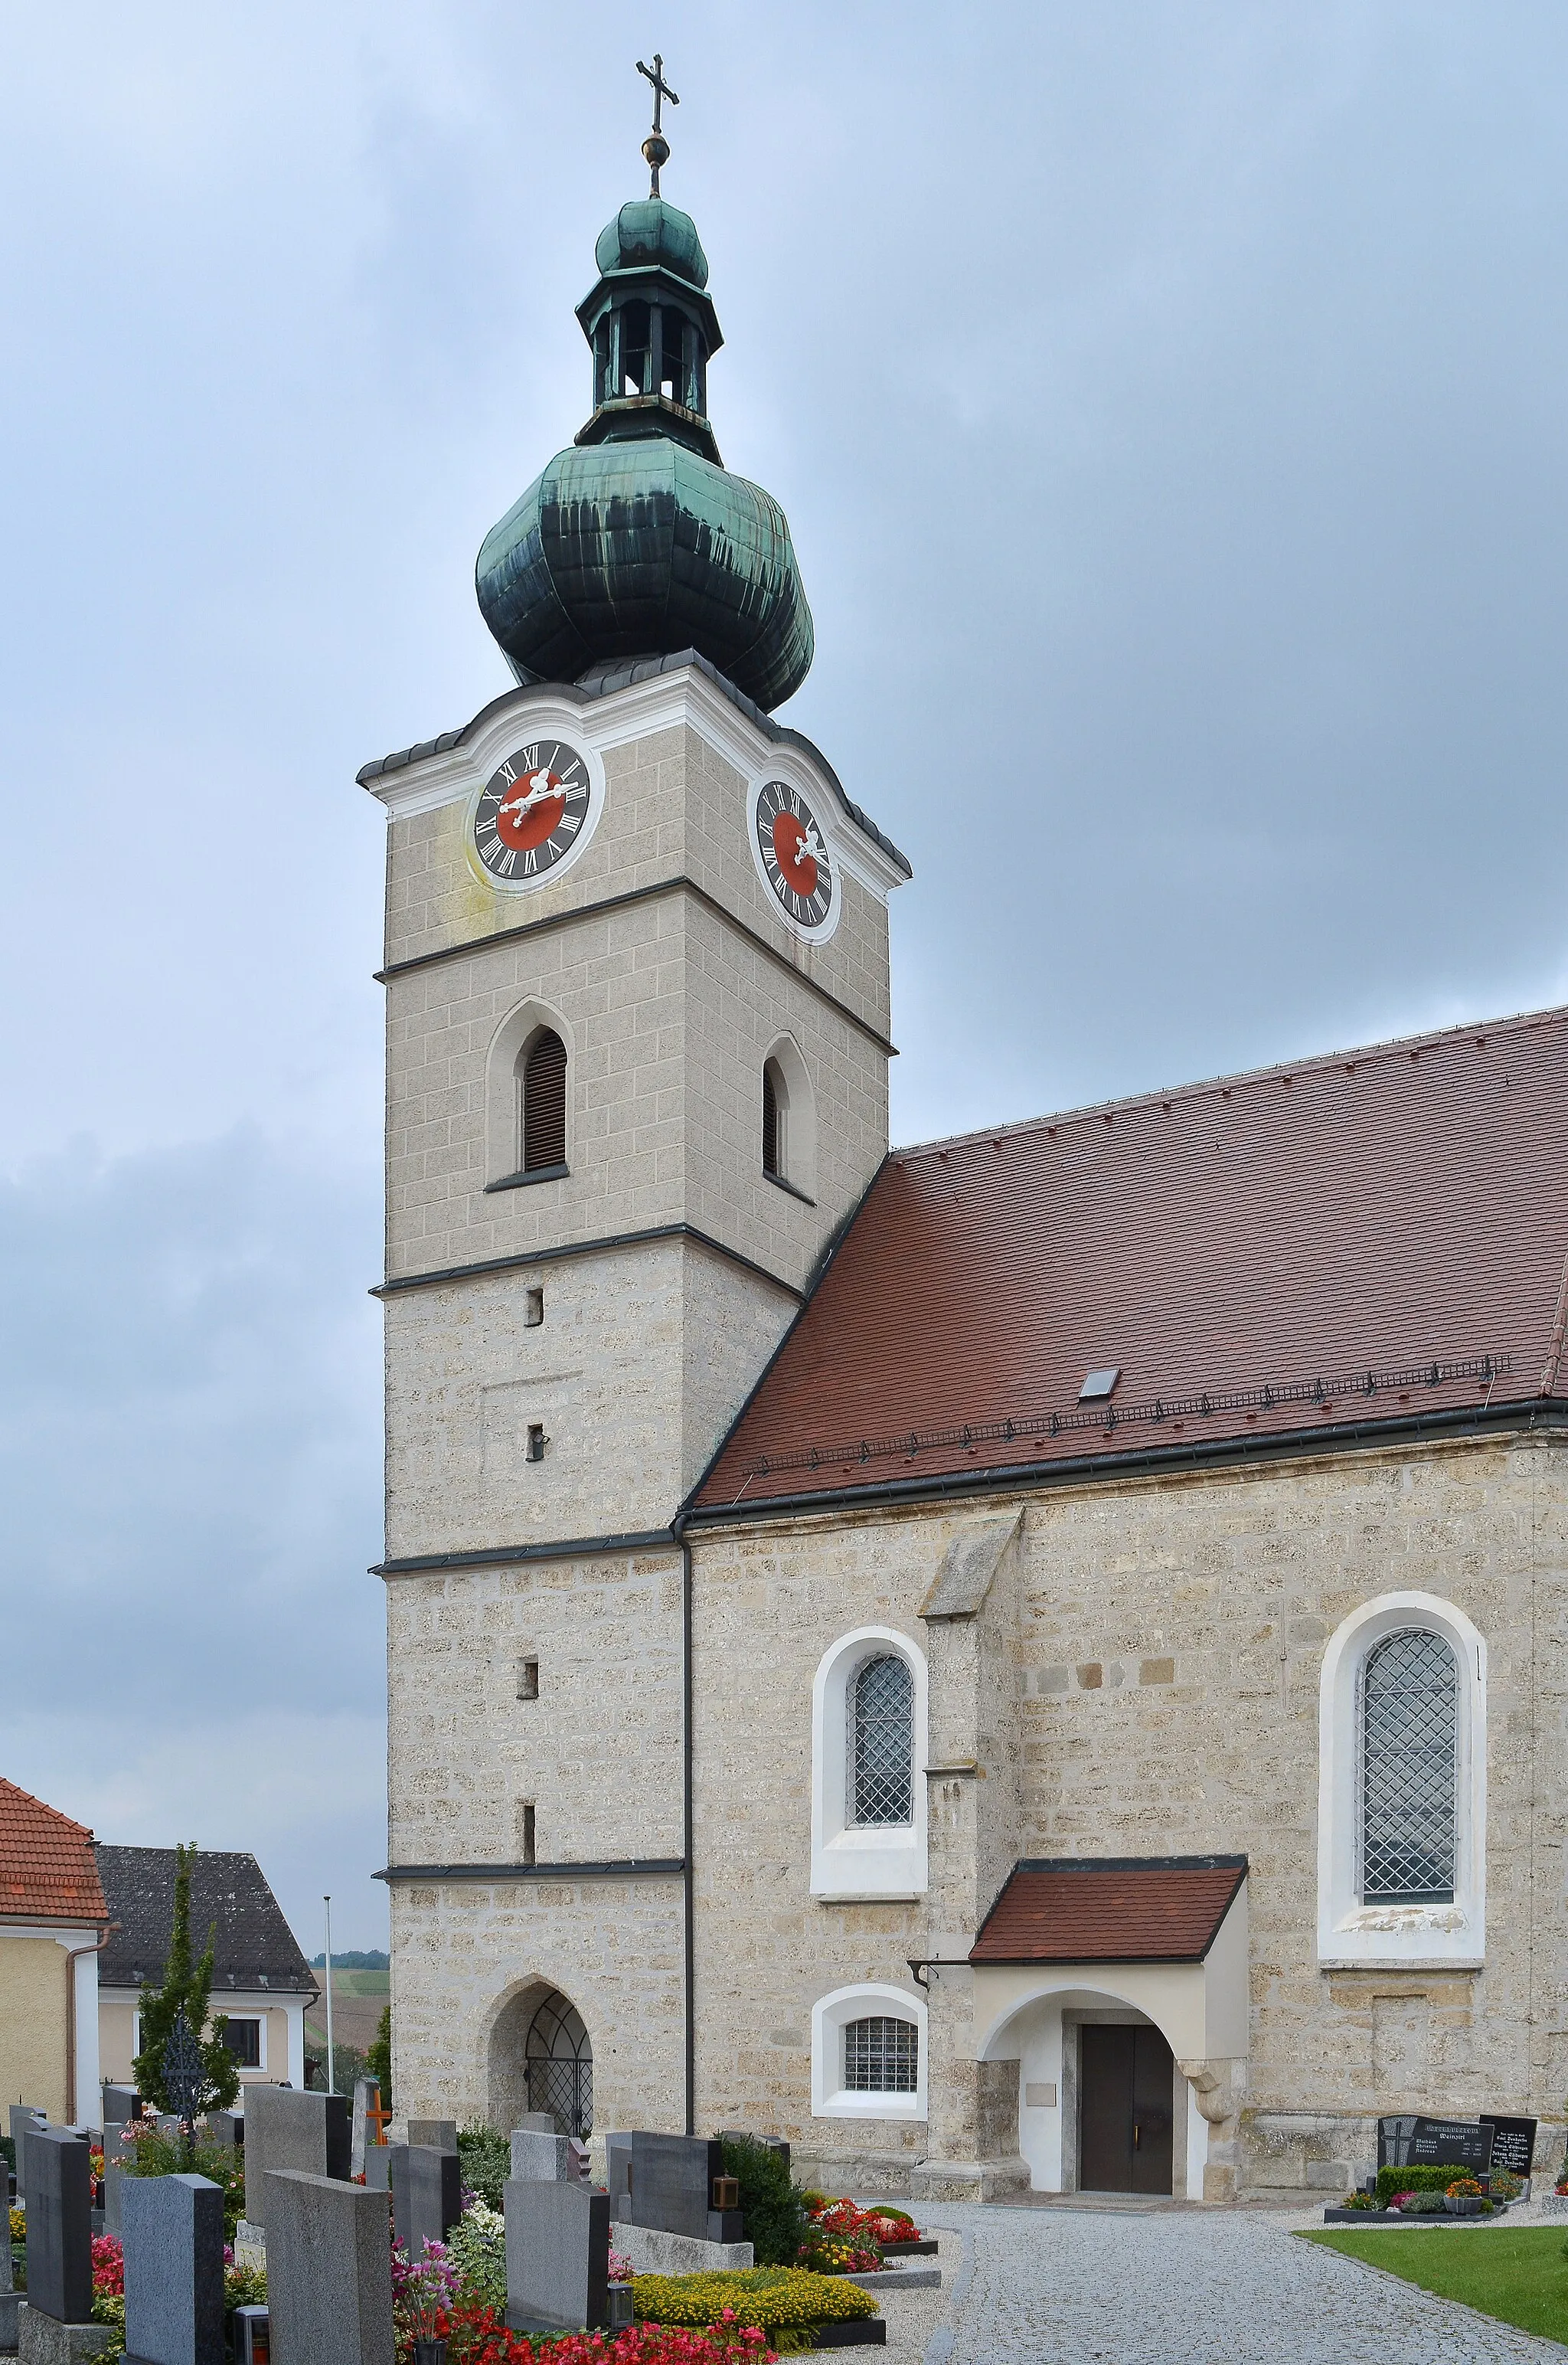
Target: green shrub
159,2155
1391,2180
244,2287
777,2299
773,2210
486,2158
477,2248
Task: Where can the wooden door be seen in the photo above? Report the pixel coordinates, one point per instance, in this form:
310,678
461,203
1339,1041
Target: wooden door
1123,2110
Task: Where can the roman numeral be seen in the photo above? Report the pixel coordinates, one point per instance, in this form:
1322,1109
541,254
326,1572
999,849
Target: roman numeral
531,859
507,861
491,850
508,774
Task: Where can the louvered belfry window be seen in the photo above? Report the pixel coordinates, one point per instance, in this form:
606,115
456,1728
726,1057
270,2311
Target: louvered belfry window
881,2056
544,1104
770,1124
881,1742
1410,1724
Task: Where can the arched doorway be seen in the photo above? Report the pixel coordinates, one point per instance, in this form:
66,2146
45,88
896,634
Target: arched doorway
558,2065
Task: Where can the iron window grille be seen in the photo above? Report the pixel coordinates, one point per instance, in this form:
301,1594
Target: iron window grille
881,1744
559,2066
1408,1727
881,2056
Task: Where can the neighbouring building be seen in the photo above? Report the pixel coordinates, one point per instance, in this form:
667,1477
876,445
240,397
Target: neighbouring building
53,1919
260,1978
1037,1659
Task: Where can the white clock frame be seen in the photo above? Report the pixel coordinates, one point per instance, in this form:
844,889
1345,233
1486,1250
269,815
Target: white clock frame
543,725
788,776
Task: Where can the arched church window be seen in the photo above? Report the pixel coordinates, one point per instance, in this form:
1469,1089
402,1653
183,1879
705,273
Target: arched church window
882,2056
881,1742
559,2063
775,1102
1408,1732
544,1082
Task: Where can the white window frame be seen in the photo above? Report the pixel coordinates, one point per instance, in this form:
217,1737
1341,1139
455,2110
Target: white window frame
503,1084
260,2012
831,2099
1386,1931
873,1860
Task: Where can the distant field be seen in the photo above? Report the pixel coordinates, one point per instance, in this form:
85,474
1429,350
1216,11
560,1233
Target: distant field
358,2001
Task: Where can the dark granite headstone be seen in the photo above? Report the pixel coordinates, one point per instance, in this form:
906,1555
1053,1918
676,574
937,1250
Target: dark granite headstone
121,2104
1513,2143
23,2117
436,2135
618,2171
557,2255
328,2270
1465,2145
379,2167
60,2234
171,2228
286,2128
671,2188
427,2195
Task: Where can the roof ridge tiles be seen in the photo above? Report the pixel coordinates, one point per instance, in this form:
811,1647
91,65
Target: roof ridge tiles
1317,1063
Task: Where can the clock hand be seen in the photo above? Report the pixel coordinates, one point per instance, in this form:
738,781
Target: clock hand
538,789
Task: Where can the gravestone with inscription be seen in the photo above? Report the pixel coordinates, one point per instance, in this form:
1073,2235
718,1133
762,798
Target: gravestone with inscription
1411,2141
669,2182
1513,2144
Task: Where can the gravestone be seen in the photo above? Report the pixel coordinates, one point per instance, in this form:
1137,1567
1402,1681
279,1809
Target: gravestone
228,2128
1513,2144
436,2135
121,2104
1465,2145
557,2255
10,2298
116,2178
538,2158
23,2117
60,2234
366,2132
538,2123
379,2167
171,2228
667,2182
427,2195
329,2269
288,2129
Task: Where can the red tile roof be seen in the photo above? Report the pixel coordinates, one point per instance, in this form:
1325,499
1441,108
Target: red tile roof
1153,1910
47,1868
1250,1254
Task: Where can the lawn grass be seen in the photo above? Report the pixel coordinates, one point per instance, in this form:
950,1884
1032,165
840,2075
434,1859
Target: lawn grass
1517,2273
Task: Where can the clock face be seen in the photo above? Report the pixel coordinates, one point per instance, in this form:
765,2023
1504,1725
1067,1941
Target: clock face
793,859
532,811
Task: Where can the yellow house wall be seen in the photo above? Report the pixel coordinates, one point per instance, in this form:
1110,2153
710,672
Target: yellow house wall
32,2023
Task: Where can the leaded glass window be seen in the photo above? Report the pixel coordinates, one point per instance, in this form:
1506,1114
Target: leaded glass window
881,1742
1409,1722
881,2056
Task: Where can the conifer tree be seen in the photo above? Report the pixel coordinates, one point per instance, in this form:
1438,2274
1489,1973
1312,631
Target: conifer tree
188,1984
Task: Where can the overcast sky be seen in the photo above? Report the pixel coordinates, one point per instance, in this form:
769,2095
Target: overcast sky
1167,404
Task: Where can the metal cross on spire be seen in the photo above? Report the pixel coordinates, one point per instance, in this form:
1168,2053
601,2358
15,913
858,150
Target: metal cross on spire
655,147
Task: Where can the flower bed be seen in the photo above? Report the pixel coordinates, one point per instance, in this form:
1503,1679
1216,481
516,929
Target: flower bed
478,2335
844,2240
769,2299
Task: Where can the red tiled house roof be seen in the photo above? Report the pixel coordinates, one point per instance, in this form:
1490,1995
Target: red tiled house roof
1368,1238
48,1871
1154,1910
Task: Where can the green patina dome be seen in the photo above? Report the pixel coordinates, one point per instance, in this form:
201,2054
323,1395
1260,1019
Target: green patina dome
638,541
647,232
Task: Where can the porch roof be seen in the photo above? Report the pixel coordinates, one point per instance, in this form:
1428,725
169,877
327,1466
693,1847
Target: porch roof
1165,1908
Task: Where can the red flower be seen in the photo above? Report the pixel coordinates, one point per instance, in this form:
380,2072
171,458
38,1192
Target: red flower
108,2265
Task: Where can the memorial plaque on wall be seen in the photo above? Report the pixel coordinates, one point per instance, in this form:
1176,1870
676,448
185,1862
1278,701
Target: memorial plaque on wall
1513,2143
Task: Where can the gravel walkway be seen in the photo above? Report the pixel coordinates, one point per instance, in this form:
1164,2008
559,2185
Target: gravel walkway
1083,2286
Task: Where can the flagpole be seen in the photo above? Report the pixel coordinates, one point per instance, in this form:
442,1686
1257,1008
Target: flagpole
332,2065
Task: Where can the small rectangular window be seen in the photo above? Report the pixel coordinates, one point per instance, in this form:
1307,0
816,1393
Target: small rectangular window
243,2038
525,1831
534,1313
536,1441
528,1679
881,2056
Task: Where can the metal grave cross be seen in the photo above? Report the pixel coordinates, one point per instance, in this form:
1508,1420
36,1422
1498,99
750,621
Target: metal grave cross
183,2073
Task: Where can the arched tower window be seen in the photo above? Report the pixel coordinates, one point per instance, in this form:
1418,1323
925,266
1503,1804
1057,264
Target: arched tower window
560,2066
881,1744
542,1075
1409,1736
775,1103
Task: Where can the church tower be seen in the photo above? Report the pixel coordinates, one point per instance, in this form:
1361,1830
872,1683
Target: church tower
637,972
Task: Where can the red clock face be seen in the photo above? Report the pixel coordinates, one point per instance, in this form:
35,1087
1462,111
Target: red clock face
795,860
532,810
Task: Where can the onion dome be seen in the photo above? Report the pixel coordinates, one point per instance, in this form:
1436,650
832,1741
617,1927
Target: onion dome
638,541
